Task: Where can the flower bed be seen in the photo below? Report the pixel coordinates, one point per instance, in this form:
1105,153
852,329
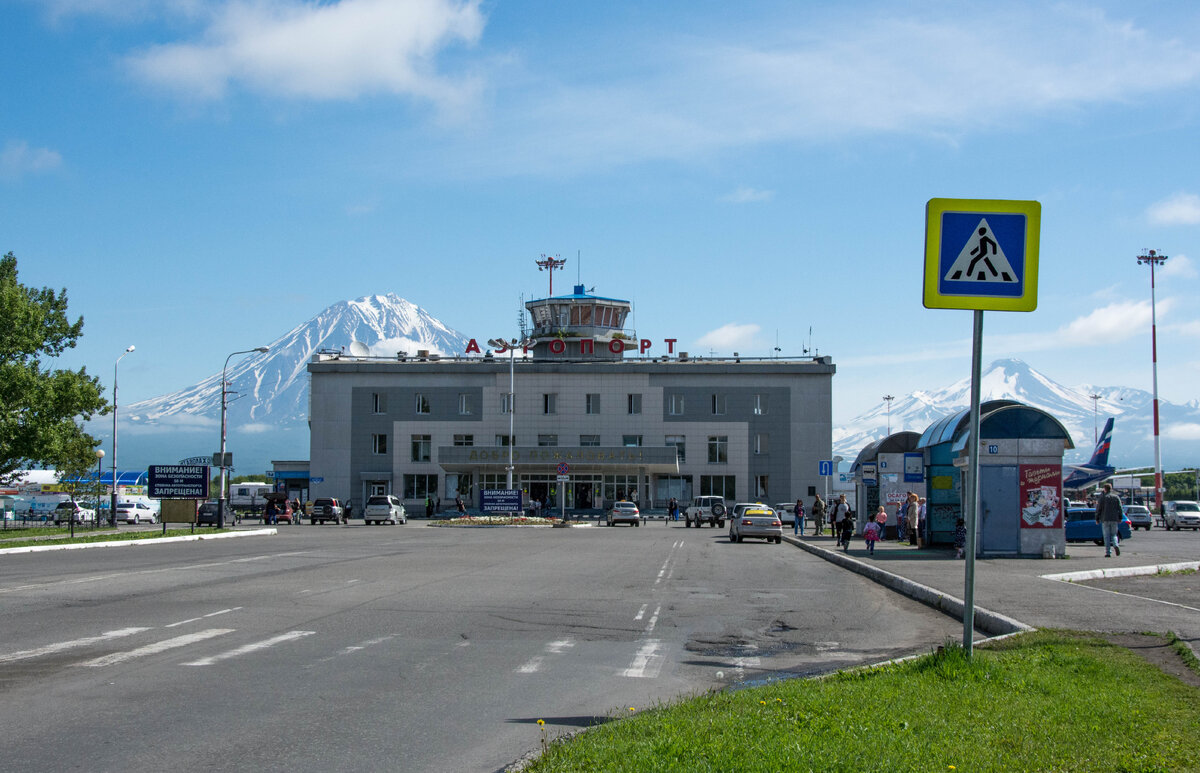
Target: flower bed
495,520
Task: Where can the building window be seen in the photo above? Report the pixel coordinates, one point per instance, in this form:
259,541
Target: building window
464,440
718,449
421,446
761,443
675,405
505,441
506,402
589,441
718,405
547,440
635,404
420,486
718,486
631,441
680,447
466,406
549,402
422,405
760,486
378,402
593,403
760,405
379,444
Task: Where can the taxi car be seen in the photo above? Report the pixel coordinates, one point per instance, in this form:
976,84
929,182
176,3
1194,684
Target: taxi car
758,522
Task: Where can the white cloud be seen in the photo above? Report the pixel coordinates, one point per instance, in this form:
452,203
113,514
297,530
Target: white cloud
1179,267
18,159
1182,431
746,195
1180,209
256,428
320,50
729,338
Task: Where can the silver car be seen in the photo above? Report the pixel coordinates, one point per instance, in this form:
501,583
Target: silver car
1181,514
135,512
1139,516
624,512
758,522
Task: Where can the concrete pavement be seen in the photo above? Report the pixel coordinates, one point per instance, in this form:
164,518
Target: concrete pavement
1012,593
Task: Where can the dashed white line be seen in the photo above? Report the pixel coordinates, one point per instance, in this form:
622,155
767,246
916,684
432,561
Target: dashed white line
531,666
534,664
156,647
647,662
653,619
202,617
249,648
50,649
640,613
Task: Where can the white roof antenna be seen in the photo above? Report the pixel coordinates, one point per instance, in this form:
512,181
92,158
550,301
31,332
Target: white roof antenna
359,349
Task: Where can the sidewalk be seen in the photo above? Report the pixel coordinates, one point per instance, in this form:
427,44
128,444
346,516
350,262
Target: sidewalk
1014,589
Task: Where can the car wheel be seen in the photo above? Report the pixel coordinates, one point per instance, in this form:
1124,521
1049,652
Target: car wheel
732,537
718,510
720,524
1097,541
779,540
637,523
687,522
740,538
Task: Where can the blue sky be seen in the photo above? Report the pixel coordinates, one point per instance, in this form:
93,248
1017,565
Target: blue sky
203,176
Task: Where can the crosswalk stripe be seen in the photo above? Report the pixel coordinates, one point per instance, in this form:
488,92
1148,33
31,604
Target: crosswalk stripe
50,649
248,648
156,647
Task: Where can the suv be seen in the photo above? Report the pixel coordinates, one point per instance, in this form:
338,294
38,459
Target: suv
383,508
326,509
1176,515
702,510
72,511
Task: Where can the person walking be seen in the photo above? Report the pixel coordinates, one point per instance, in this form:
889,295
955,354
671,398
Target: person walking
960,538
818,514
871,533
847,531
841,513
1109,515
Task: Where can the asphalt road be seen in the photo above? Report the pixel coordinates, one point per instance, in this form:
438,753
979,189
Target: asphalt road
406,648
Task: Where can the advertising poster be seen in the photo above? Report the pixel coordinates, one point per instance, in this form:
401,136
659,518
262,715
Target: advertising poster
1041,496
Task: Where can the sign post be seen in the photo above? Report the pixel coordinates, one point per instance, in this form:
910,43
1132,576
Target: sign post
979,254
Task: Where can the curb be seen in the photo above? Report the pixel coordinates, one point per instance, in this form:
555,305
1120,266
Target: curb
1120,571
991,623
139,542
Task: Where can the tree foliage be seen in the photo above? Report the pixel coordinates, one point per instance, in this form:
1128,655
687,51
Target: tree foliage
41,408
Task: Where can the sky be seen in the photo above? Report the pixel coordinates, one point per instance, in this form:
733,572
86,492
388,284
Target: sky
201,176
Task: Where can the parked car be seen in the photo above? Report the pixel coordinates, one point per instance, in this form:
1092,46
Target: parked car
136,512
624,512
1139,516
705,509
207,514
65,512
383,508
326,509
1082,526
760,521
786,512
283,508
1181,514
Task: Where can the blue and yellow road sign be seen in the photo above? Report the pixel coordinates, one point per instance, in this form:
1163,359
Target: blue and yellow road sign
981,254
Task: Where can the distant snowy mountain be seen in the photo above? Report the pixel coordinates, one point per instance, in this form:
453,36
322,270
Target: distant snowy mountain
1012,379
268,402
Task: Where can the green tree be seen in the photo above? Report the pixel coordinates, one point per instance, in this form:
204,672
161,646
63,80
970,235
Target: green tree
41,408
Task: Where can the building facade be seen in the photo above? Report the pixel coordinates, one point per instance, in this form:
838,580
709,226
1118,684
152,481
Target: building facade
596,415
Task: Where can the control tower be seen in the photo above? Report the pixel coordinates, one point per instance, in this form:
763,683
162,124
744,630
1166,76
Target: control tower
580,326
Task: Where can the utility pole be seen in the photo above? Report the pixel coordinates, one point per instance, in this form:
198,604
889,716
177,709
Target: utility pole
1153,258
888,399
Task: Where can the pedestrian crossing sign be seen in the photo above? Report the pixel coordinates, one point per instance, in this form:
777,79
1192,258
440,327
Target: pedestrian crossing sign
981,254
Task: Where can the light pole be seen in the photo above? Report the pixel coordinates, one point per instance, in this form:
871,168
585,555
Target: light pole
1154,258
888,399
112,504
224,467
99,472
501,345
1095,417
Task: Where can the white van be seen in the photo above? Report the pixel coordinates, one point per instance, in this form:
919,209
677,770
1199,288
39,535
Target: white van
1181,514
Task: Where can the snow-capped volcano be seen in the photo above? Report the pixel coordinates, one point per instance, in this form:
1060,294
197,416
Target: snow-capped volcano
272,388
1012,379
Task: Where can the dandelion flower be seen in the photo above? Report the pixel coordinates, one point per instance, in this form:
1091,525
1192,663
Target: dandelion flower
762,703
542,722
631,708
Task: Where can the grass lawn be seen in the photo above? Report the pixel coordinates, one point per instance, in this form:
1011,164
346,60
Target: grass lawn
1044,701
62,535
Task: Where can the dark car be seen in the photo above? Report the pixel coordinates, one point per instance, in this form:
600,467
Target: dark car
1081,526
207,514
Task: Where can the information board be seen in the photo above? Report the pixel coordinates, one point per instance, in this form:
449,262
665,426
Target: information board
499,500
178,481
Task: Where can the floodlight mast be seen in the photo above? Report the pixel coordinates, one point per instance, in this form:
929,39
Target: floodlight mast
225,467
1152,258
502,345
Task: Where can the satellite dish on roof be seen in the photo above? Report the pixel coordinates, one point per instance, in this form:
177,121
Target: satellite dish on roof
359,349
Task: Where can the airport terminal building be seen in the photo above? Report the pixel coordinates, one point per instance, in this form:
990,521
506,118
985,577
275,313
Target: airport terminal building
596,415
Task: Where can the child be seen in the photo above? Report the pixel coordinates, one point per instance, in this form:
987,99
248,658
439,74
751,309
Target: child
871,535
960,537
847,525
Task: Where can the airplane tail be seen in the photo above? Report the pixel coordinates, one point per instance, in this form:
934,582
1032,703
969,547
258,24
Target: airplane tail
1100,455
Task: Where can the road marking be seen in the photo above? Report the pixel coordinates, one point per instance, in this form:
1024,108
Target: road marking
653,619
534,664
50,649
1133,596
249,648
156,647
194,619
640,613
647,662
530,666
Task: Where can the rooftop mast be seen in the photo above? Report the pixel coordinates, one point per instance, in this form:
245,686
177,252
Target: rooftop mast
550,264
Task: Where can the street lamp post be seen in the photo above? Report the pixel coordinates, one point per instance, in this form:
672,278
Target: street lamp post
1095,416
501,344
888,399
224,467
112,504
99,472
1154,258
